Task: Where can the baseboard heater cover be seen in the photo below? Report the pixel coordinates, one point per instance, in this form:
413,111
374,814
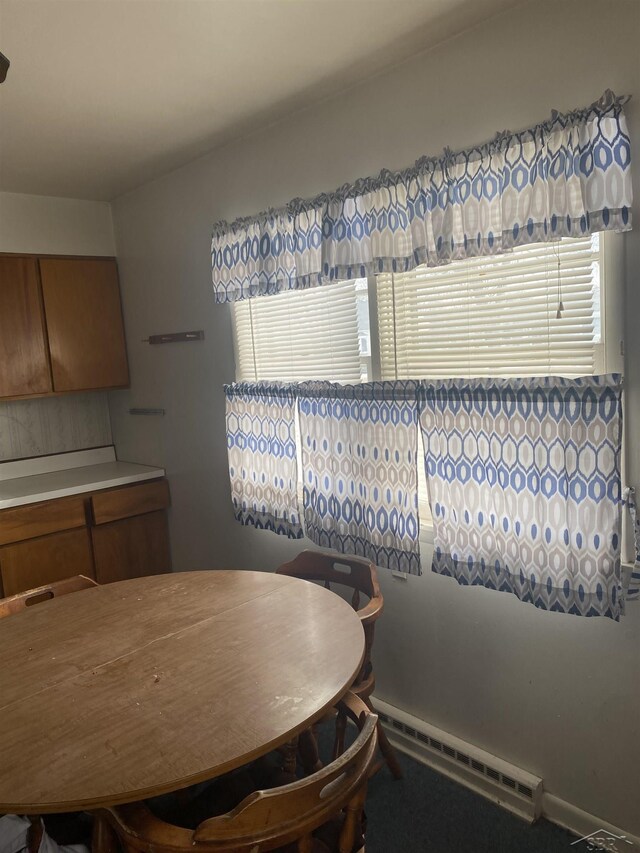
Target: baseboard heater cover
503,783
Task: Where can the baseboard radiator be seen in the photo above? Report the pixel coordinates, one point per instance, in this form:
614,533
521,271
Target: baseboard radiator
497,780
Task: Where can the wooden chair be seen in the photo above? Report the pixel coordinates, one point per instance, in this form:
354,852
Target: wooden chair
359,575
22,600
279,819
14,604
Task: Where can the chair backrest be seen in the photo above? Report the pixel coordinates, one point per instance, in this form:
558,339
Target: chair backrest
272,818
353,572
22,600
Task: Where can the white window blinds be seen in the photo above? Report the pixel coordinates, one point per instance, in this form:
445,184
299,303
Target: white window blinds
300,334
495,316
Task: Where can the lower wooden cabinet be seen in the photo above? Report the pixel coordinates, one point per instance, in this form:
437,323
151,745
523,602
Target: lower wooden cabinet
132,547
109,535
35,562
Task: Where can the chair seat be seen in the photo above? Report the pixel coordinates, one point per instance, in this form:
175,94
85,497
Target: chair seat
326,839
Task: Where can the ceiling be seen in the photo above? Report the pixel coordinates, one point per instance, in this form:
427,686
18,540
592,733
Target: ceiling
104,95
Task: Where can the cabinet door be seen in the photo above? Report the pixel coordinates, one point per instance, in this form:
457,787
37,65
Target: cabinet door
24,360
84,322
36,562
132,547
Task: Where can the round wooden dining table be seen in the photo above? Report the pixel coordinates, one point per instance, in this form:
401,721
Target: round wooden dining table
138,688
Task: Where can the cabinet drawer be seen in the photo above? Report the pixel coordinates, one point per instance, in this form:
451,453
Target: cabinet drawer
29,522
26,565
129,501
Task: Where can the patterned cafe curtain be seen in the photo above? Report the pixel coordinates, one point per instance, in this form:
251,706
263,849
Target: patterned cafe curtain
524,486
262,456
633,590
566,177
359,474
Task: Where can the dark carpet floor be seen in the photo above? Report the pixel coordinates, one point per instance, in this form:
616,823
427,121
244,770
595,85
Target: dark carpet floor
426,812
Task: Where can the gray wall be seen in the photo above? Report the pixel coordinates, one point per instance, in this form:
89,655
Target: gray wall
554,694
40,224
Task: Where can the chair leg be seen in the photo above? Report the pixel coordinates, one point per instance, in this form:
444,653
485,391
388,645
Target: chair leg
290,755
103,840
386,749
36,831
308,748
305,844
341,728
353,815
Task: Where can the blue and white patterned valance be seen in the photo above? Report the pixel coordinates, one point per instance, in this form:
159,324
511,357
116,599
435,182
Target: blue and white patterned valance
524,487
261,445
359,472
566,177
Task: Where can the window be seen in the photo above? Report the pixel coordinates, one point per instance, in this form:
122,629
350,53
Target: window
496,316
493,316
322,333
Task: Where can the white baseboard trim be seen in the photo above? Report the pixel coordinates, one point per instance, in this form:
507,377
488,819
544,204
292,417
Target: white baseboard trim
503,783
552,808
583,823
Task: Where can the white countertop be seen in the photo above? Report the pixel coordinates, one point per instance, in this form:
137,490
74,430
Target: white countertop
33,480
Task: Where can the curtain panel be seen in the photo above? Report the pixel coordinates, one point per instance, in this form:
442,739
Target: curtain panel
359,474
261,446
524,486
566,177
633,590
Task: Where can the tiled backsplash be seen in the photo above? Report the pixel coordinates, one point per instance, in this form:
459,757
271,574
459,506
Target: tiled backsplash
53,425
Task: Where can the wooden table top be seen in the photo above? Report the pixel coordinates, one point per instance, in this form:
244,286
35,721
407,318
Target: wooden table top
137,688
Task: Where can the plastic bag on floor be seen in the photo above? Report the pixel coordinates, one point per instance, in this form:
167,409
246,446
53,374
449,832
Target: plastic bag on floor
13,833
14,838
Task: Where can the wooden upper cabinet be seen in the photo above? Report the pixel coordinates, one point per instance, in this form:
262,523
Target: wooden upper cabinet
24,360
84,323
